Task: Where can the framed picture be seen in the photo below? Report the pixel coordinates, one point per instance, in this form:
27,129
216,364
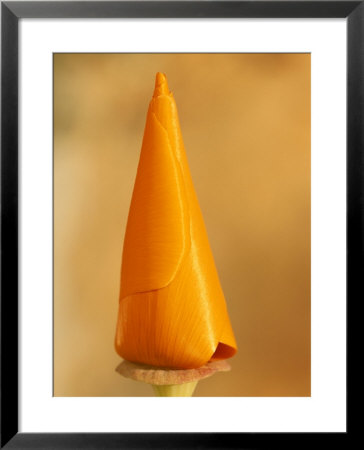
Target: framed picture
269,104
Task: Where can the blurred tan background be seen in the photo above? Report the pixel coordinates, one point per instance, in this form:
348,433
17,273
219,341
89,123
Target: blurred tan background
245,120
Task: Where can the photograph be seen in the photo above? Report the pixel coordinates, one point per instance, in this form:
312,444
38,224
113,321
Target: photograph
181,216
182,224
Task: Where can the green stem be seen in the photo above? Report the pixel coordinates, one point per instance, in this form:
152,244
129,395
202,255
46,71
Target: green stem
175,390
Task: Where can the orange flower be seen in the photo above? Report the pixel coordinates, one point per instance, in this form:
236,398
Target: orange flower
172,311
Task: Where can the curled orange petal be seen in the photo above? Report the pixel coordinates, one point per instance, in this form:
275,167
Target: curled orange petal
172,311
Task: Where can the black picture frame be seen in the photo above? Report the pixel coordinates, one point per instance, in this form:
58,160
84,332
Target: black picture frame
11,12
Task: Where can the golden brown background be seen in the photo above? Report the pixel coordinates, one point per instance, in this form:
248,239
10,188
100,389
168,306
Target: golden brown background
245,120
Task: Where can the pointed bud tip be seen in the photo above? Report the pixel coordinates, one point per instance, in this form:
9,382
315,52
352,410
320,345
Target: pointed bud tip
161,85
